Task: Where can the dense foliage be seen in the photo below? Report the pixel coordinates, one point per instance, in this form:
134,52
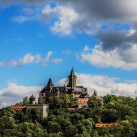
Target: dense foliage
63,122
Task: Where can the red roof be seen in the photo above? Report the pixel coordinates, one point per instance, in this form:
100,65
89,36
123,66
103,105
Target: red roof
18,107
82,100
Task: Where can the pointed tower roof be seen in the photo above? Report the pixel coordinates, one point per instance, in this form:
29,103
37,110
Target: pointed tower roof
72,72
32,97
50,84
95,93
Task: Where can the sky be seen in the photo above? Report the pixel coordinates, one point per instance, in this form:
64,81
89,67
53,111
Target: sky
40,39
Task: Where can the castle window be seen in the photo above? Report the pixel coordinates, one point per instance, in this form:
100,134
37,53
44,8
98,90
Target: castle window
43,97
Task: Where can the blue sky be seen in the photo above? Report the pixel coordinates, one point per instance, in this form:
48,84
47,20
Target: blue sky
40,39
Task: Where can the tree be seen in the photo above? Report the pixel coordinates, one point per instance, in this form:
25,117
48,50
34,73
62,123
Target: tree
8,112
25,101
93,102
6,125
71,131
34,114
20,116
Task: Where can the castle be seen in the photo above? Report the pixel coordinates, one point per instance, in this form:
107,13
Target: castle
78,92
59,91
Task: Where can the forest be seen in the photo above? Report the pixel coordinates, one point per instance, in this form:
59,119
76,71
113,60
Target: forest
64,122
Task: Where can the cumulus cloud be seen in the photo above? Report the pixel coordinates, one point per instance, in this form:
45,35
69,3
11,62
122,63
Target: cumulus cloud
30,59
14,93
112,39
57,60
90,14
86,48
80,16
104,85
108,21
27,59
117,58
33,59
67,17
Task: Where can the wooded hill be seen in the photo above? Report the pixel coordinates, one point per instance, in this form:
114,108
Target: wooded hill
63,122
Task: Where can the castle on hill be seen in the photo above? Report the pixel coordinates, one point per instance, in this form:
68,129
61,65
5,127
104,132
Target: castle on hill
59,91
80,93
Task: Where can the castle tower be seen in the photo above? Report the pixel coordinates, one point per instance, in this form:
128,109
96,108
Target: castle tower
50,84
32,100
72,79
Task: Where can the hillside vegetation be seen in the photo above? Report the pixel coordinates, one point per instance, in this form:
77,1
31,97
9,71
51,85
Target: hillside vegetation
63,122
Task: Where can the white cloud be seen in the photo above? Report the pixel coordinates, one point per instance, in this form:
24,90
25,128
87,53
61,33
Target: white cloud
48,55
57,60
131,32
24,18
47,10
67,16
66,52
117,58
86,48
14,93
30,59
104,85
20,19
78,16
27,59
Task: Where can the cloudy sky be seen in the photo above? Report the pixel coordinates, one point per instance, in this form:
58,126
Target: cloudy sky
40,39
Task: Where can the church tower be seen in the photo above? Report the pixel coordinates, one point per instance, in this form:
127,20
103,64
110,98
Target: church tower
72,79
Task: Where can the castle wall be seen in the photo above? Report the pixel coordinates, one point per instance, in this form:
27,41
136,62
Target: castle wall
44,108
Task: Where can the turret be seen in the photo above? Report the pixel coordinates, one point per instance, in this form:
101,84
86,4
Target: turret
32,100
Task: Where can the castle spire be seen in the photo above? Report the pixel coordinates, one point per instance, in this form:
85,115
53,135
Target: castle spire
72,79
50,84
72,72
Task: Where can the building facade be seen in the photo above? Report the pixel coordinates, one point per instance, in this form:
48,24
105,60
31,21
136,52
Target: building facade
59,91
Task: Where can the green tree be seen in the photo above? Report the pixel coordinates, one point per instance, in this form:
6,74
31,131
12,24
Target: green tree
6,125
8,112
25,101
94,103
34,114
